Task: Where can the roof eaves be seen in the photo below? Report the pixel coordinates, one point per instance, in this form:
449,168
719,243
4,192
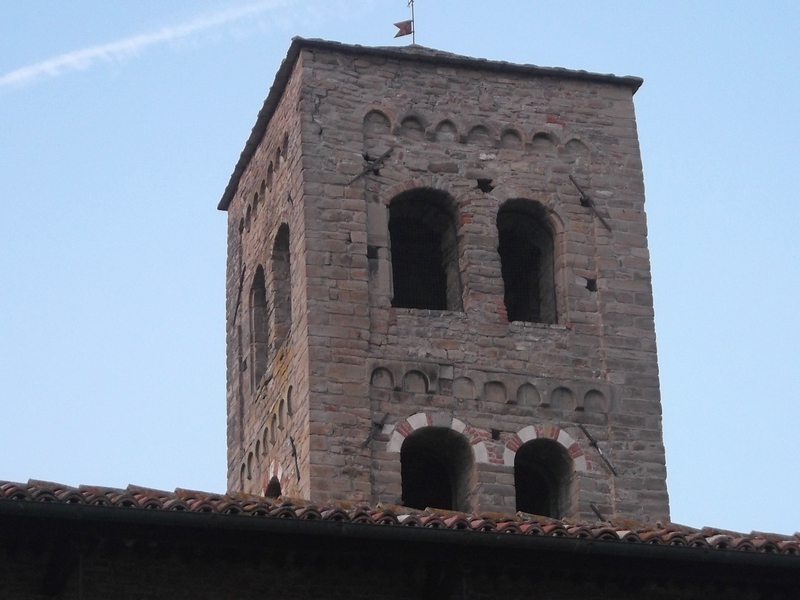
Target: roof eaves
429,55
39,493
414,53
188,520
262,120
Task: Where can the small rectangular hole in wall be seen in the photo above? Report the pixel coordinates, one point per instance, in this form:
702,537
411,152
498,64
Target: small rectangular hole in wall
372,252
591,285
495,434
485,185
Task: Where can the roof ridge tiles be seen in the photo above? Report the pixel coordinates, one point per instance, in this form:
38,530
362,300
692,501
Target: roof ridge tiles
197,494
41,483
235,504
143,490
776,537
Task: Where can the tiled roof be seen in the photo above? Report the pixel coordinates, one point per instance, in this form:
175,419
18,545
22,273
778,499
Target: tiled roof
242,506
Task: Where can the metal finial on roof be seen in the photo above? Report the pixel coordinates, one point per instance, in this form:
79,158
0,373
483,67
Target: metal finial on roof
407,27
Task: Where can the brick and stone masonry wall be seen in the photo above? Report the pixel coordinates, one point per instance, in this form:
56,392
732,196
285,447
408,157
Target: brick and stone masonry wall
266,409
363,374
596,366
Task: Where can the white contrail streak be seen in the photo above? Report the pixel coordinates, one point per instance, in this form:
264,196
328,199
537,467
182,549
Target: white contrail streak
79,60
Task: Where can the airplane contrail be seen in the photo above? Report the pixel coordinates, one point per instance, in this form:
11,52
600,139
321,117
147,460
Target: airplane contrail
79,60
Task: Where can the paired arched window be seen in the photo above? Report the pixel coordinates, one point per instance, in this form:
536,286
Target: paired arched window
526,258
424,251
435,466
542,478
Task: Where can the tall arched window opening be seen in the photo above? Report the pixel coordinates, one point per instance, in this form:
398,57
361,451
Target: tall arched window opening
435,466
282,285
259,327
424,251
543,478
526,259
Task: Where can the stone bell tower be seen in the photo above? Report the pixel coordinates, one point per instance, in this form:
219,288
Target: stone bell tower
438,289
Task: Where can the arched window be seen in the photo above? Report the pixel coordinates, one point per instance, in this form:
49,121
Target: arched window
376,131
526,259
424,251
542,478
435,465
266,438
270,176
273,488
259,327
282,285
281,414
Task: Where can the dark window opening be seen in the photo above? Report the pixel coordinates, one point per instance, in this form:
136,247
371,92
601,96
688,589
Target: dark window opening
250,466
526,259
270,176
591,285
282,286
542,478
424,252
259,328
436,464
426,481
273,489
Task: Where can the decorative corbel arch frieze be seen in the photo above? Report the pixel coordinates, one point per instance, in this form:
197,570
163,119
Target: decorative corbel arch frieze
387,112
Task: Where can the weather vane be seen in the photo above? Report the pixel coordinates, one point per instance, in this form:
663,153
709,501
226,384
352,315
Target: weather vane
407,27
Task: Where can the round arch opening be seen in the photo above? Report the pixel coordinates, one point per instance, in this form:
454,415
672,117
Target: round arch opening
543,478
424,251
436,466
526,249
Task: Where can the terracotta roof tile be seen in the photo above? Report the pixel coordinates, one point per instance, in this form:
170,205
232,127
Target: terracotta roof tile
243,505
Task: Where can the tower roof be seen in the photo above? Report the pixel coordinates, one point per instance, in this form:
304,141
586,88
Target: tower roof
413,52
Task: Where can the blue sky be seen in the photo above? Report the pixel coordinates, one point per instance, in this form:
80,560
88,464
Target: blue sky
120,124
